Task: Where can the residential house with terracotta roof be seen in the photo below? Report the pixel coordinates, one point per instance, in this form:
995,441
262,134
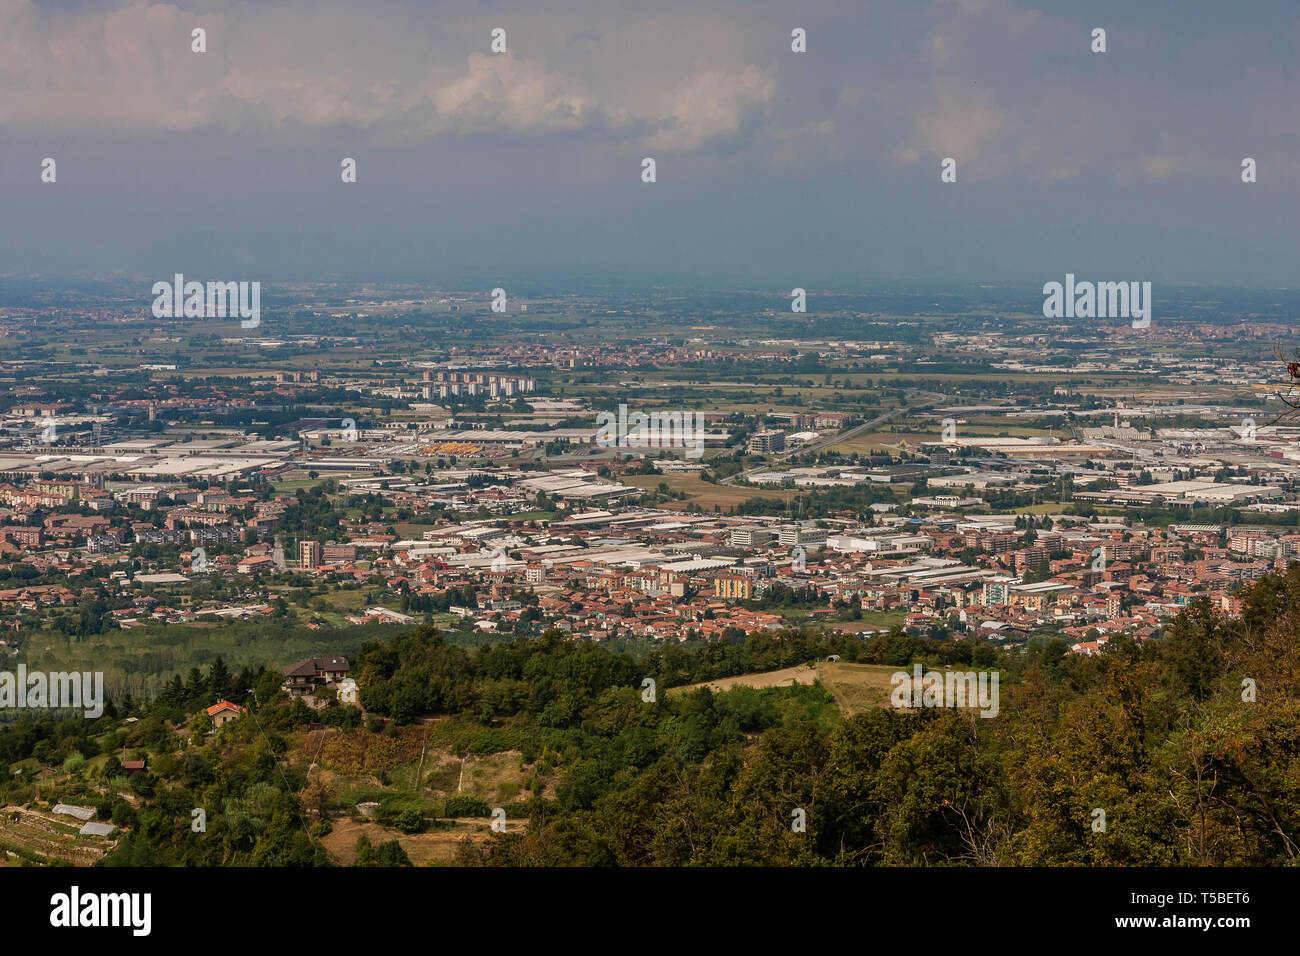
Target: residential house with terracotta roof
223,711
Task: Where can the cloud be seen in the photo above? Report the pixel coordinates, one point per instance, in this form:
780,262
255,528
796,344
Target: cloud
715,108
281,66
499,92
1159,167
960,125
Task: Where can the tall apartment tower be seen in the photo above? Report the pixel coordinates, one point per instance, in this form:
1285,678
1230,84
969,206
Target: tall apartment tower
309,554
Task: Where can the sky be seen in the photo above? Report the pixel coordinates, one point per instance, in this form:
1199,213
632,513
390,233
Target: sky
773,167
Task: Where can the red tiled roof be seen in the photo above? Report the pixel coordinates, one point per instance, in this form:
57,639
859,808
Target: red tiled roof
221,705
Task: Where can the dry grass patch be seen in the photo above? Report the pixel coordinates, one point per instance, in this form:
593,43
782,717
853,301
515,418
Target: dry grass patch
856,687
437,846
498,778
703,493
359,751
786,677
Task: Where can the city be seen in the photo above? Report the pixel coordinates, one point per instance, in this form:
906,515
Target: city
937,484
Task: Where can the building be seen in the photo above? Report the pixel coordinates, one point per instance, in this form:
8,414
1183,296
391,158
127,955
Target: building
997,591
992,542
256,564
338,553
223,711
1030,558
388,616
304,677
938,452
103,544
733,587
830,419
310,554
766,442
790,535
750,536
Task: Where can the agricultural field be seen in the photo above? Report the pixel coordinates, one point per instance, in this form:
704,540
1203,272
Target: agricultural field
297,484
37,836
882,441
705,494
411,771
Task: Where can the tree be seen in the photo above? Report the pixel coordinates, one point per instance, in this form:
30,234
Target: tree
365,852
219,679
200,725
392,854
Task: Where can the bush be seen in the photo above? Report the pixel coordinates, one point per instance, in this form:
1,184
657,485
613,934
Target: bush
410,821
403,811
463,805
365,852
346,718
392,854
74,763
123,813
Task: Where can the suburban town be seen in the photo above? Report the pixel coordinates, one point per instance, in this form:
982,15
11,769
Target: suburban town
485,494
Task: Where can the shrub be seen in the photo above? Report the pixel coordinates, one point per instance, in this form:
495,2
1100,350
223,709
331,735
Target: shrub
392,854
74,763
410,821
463,805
